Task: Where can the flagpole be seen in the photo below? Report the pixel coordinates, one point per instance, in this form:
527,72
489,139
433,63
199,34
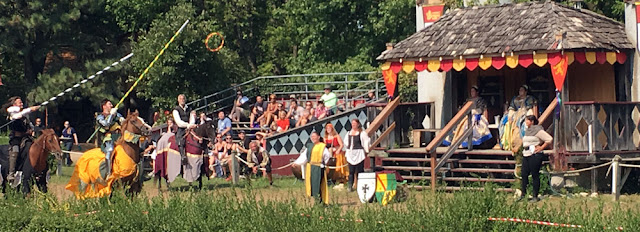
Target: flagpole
146,70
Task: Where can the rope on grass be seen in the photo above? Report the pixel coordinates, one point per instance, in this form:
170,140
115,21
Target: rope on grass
544,223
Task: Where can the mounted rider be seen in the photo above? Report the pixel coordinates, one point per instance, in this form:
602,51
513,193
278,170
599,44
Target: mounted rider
109,122
185,120
21,129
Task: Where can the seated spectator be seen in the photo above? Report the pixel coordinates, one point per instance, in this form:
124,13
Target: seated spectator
260,138
237,112
202,119
257,111
295,111
371,96
304,119
283,122
224,124
320,110
259,159
271,112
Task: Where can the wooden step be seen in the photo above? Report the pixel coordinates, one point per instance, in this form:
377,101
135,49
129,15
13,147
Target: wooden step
486,161
405,159
461,179
407,168
455,188
482,170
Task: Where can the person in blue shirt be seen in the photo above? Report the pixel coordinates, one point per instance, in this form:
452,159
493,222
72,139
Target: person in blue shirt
224,124
109,122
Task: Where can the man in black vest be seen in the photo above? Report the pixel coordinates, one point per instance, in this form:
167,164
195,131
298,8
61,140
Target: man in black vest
184,120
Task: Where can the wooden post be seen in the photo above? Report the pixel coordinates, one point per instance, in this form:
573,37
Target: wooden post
470,138
434,176
594,184
234,167
615,178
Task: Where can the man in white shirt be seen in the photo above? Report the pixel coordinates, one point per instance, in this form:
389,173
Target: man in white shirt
184,120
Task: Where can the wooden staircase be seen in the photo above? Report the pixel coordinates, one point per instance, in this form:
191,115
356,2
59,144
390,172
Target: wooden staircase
461,169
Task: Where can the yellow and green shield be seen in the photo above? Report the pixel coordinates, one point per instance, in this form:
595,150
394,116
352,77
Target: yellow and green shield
385,187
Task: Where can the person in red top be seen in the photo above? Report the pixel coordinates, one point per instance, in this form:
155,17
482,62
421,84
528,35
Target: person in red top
335,145
283,122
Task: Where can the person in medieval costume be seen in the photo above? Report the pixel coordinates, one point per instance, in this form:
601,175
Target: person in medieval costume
109,123
313,159
479,122
21,129
356,143
512,125
184,120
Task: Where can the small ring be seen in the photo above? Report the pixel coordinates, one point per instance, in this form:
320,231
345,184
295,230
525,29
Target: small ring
206,42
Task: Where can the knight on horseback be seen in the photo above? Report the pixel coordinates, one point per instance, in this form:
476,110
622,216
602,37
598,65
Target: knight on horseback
185,120
109,122
21,128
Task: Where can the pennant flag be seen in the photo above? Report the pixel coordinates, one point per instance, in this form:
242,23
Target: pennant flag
385,187
421,66
559,72
638,25
390,80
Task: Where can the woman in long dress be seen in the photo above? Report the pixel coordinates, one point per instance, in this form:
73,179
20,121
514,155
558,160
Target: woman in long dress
357,145
512,126
338,159
479,122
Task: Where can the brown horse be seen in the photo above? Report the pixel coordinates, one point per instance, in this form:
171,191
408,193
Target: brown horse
33,163
90,178
136,127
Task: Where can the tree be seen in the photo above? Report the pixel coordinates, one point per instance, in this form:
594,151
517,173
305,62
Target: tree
187,66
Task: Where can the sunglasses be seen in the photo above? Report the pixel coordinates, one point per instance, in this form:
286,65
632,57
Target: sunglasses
228,138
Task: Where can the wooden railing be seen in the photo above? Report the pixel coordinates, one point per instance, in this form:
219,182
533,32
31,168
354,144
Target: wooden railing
437,141
614,126
546,115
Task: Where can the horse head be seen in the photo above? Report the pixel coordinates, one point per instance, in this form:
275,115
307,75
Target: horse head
50,143
206,130
136,125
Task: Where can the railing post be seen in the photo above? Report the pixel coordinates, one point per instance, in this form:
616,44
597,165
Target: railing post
470,127
434,177
346,92
377,91
306,87
234,167
615,177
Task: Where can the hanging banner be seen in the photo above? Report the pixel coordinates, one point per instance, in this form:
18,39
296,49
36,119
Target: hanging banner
638,25
559,72
431,14
390,81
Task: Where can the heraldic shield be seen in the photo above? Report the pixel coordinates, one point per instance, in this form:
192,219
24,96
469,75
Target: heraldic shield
385,187
366,186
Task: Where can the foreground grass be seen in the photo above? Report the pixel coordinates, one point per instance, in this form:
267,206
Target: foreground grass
257,207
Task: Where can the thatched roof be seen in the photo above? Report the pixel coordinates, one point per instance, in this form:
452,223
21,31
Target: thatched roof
523,27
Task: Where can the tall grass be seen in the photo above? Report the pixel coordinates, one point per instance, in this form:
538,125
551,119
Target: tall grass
203,211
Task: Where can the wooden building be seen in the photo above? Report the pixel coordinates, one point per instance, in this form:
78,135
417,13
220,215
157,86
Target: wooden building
501,47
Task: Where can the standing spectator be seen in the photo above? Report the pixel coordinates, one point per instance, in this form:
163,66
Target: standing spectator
217,155
69,138
257,111
242,147
320,111
228,147
259,158
535,140
356,143
283,122
224,124
237,112
184,121
37,128
171,127
330,100
260,138
335,145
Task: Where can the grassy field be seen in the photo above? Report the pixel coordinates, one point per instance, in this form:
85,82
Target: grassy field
283,207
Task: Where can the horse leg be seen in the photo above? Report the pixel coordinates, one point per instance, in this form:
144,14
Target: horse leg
27,173
42,181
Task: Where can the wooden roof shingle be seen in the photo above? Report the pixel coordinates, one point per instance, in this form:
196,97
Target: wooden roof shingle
491,30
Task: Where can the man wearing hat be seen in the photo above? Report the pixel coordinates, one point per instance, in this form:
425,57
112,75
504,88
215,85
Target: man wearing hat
330,99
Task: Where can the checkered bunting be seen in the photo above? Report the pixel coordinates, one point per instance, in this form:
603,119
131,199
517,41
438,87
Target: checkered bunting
292,141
